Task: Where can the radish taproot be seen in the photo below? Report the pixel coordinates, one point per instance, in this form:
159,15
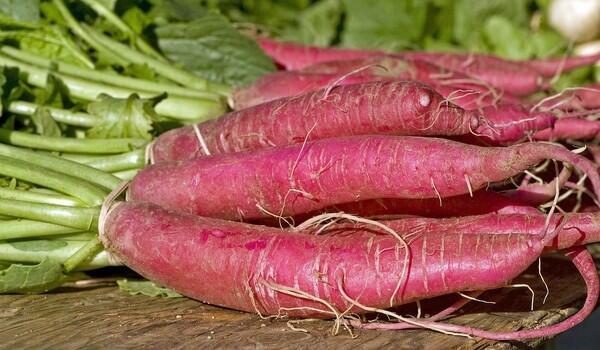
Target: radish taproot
570,128
481,202
307,177
584,263
282,84
277,273
572,229
396,108
179,250
296,56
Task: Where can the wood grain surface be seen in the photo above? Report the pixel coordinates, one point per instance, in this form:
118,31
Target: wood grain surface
106,318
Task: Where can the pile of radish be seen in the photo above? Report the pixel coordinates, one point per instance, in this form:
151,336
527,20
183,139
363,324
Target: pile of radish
339,187
356,181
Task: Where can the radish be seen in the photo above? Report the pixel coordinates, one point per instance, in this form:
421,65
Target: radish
272,272
307,177
178,250
396,108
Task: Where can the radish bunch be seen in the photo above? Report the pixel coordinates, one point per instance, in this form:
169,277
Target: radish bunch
362,180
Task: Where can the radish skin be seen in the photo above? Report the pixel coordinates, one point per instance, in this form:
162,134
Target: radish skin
295,56
282,84
302,178
570,128
189,254
396,108
482,202
515,77
573,229
585,264
510,123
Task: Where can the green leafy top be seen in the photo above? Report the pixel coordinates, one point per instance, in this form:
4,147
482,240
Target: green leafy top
147,288
26,279
123,117
212,48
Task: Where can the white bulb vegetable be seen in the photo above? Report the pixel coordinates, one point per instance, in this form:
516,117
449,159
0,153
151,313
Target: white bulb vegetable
577,20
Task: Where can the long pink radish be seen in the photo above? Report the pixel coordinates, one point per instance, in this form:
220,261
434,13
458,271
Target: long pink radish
296,56
585,265
395,108
282,84
275,272
573,229
515,77
473,97
570,128
535,194
302,178
321,76
481,202
549,67
522,200
510,123
508,76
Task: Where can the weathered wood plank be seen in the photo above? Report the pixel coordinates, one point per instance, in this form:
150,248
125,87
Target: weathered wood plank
104,317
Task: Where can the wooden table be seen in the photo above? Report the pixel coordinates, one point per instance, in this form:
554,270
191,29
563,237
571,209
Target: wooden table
106,318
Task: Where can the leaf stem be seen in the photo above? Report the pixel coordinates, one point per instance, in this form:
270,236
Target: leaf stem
89,193
70,145
36,197
83,254
61,165
76,27
167,70
60,115
8,252
122,26
20,228
125,161
177,107
85,219
108,78
126,174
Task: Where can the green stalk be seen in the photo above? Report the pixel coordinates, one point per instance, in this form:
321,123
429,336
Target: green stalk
176,107
19,228
61,165
77,236
70,145
167,70
74,25
9,252
83,254
36,197
60,115
127,174
134,84
71,185
122,26
85,219
124,161
67,41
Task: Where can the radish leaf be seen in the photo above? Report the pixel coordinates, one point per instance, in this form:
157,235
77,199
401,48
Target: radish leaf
123,117
213,49
390,25
44,124
21,10
27,279
147,288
